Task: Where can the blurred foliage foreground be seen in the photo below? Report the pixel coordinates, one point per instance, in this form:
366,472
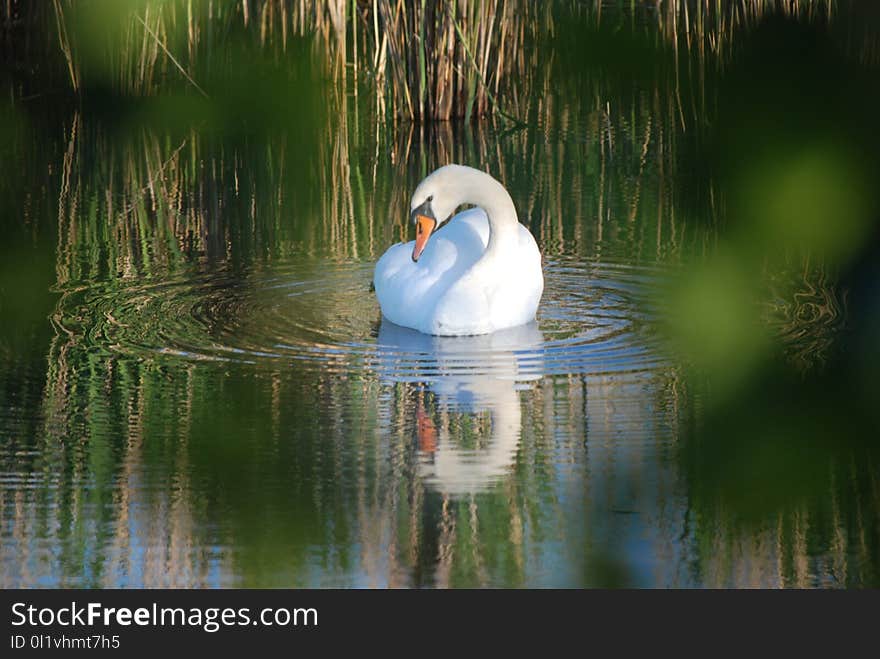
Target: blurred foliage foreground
795,152
789,153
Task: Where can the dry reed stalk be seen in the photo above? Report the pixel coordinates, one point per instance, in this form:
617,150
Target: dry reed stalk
433,59
64,44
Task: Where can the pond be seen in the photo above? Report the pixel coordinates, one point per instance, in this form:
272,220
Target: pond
197,388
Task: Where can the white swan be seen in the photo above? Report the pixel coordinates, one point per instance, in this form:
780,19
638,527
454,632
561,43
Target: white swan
482,273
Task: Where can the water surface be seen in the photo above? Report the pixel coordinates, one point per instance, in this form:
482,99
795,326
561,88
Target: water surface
206,393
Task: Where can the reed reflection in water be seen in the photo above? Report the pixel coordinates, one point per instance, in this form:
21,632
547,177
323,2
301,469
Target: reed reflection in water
241,416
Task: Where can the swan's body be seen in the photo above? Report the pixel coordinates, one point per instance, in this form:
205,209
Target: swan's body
482,273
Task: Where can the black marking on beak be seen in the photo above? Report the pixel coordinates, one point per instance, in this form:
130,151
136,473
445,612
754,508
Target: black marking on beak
423,209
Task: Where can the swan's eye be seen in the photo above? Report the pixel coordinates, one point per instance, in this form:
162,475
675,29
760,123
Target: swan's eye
430,198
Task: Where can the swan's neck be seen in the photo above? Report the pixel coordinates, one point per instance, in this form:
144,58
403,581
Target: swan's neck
490,195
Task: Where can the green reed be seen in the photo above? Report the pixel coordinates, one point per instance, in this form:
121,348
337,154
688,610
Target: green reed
421,60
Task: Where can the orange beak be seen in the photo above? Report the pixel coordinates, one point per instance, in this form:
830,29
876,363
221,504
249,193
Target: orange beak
424,227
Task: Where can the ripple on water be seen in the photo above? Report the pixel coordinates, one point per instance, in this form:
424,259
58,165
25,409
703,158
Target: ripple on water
594,318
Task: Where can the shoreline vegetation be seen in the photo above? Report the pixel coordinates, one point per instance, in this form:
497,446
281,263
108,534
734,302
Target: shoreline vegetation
423,60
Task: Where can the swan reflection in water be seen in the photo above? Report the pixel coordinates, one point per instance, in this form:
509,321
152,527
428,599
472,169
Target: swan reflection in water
468,375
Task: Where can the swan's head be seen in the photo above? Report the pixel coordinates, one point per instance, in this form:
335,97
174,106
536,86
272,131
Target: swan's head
436,199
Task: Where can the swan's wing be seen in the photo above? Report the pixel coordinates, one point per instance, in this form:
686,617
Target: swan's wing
408,291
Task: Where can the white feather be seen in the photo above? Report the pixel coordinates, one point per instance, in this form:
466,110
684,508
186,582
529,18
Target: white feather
479,273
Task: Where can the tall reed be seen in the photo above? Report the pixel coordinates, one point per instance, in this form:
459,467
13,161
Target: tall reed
420,59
